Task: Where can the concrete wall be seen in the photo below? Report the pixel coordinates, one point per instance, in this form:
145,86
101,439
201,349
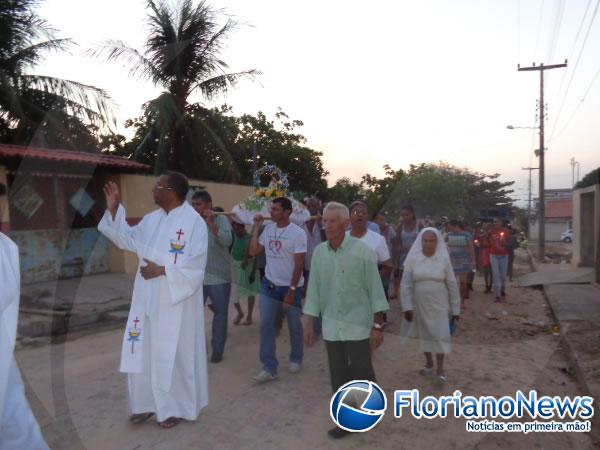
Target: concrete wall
586,225
4,213
136,196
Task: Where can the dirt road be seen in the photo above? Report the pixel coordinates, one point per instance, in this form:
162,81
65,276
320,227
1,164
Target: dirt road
80,398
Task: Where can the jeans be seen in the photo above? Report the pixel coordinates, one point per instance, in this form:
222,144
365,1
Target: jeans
219,295
270,303
499,265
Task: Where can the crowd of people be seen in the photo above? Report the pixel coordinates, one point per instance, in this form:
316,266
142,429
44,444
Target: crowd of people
330,278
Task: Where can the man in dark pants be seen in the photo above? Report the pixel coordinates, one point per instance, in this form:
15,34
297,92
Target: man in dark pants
346,290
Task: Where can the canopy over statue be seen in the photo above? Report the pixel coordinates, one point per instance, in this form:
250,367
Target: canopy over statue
260,202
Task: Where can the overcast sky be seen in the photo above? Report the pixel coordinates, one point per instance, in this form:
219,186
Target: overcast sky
397,82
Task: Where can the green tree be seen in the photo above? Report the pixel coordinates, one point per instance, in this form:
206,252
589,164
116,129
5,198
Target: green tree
589,179
278,141
436,189
345,191
40,109
379,191
281,143
182,55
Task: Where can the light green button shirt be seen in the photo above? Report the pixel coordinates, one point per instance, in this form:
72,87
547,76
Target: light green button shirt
345,288
218,262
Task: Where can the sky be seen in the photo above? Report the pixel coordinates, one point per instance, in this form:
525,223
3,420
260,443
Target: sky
387,82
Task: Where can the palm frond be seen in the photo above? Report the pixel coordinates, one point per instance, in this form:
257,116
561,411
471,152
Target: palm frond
94,103
31,55
139,65
212,47
222,83
162,46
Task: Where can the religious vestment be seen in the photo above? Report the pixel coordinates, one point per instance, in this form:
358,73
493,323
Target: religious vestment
164,350
18,428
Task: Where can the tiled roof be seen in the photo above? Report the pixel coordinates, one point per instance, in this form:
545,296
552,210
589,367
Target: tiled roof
60,155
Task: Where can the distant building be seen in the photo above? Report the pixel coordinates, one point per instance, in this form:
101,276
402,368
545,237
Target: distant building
55,201
558,214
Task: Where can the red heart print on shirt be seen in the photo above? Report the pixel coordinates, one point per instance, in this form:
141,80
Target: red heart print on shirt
275,246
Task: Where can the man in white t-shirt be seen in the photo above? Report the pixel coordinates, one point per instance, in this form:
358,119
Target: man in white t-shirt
284,244
359,218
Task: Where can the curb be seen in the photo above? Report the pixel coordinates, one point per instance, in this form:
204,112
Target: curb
579,376
563,338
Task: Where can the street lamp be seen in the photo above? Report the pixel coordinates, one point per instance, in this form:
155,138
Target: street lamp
511,127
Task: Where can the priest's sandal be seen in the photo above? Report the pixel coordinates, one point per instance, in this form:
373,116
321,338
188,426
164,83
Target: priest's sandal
170,422
136,419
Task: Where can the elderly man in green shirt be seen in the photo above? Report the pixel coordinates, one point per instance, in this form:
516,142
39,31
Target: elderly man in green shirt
217,277
345,288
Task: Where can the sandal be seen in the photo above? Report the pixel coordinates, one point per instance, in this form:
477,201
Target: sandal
136,419
426,371
247,322
170,422
238,319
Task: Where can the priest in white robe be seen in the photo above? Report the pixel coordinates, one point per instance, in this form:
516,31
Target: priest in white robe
164,350
18,428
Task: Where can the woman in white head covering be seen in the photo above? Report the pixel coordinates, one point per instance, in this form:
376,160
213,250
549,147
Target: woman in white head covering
430,298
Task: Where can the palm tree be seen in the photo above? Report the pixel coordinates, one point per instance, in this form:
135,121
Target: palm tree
33,104
181,55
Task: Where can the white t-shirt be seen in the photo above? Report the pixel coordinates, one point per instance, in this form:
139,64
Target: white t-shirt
376,242
281,244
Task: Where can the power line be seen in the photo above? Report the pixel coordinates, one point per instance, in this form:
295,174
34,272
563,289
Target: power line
572,49
537,39
589,88
587,34
587,8
518,30
558,16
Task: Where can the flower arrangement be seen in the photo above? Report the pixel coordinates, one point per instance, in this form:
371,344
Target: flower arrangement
277,187
260,202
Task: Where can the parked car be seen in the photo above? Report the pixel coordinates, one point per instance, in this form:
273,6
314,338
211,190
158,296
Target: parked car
567,236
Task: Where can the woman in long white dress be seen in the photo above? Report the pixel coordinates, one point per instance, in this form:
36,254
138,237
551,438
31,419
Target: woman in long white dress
430,298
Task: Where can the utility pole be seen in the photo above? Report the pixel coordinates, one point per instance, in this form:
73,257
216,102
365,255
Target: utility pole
529,195
542,209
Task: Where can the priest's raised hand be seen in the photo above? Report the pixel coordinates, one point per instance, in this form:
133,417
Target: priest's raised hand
113,197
